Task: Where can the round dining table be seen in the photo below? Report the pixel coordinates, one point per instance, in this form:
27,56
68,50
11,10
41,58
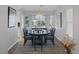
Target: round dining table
41,36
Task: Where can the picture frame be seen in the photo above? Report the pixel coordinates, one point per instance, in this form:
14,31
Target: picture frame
11,17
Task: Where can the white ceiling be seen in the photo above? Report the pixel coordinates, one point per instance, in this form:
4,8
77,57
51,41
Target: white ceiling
35,7
39,7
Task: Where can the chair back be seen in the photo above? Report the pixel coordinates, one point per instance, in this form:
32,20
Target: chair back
25,31
52,31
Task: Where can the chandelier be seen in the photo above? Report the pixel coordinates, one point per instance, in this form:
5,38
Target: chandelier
39,15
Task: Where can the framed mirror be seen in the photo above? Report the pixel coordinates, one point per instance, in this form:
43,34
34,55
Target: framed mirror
11,17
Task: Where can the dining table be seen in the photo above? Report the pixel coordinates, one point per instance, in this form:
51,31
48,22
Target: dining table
38,36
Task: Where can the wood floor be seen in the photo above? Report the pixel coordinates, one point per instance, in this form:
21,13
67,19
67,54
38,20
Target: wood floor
49,49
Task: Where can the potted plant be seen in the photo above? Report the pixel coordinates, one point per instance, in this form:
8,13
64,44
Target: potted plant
68,44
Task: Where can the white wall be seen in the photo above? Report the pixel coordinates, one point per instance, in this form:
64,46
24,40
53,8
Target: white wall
20,18
69,22
76,28
60,32
12,33
7,35
3,30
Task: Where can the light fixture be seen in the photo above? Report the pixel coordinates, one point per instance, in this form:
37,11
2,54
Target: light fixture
39,12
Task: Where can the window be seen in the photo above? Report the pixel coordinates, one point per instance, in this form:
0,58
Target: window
39,21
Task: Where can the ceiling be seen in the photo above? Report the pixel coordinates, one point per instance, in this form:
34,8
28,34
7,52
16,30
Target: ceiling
35,7
39,9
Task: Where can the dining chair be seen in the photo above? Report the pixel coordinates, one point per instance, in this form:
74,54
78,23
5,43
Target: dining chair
50,36
26,36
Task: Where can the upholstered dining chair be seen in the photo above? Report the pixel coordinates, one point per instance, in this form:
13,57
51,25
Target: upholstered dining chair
26,36
50,36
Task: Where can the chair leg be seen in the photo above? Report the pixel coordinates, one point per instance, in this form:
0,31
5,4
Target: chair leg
53,41
35,45
32,41
45,41
41,45
25,41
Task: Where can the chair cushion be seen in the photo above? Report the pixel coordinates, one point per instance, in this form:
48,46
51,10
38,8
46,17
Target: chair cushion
49,37
28,37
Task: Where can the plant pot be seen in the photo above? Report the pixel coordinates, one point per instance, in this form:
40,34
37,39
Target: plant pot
68,51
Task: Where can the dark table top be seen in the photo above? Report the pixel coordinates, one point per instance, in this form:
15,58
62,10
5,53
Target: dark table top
39,33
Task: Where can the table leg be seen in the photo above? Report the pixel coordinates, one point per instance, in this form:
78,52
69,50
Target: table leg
32,41
42,40
35,43
45,39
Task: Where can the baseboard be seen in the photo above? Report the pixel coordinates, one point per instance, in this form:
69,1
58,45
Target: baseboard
12,47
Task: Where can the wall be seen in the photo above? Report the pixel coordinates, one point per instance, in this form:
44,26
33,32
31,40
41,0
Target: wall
12,33
7,35
60,32
3,30
69,29
20,18
76,28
